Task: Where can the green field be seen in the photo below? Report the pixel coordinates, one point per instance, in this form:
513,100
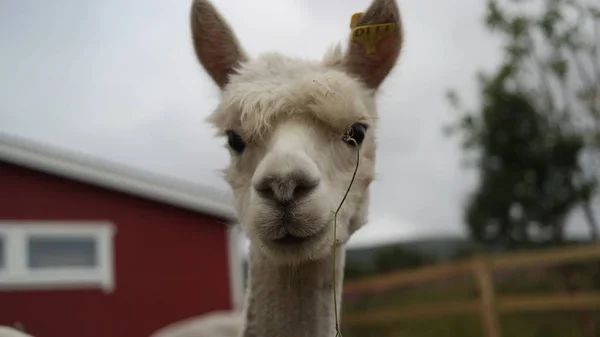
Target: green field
561,324
530,325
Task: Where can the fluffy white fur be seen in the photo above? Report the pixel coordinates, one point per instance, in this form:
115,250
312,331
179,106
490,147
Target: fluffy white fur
292,115
215,324
6,331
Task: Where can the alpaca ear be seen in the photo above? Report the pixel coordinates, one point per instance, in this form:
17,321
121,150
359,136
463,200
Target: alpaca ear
215,44
373,51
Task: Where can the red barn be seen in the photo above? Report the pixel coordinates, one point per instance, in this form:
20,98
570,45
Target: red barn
89,248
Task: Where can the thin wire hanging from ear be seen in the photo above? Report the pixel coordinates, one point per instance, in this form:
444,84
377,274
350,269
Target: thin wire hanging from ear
347,138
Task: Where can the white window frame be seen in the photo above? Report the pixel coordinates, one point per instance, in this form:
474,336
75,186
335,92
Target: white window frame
16,275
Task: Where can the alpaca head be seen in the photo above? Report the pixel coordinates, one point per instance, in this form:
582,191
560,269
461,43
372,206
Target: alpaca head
285,121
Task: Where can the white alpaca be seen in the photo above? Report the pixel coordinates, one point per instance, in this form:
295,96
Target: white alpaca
214,324
6,331
285,120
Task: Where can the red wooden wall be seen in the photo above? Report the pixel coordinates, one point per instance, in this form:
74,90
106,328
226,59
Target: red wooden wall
170,263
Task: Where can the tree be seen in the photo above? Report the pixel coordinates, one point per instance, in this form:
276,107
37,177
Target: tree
539,118
396,257
354,270
530,176
555,45
544,102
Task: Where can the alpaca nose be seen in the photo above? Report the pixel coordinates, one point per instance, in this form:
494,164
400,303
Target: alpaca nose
285,188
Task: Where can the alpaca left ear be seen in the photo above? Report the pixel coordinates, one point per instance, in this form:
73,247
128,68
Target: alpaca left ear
375,43
215,43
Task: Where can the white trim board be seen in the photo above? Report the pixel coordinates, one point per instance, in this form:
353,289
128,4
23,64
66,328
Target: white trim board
236,282
17,275
116,177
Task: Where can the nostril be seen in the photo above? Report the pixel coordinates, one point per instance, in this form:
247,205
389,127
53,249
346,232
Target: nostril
286,188
264,190
305,187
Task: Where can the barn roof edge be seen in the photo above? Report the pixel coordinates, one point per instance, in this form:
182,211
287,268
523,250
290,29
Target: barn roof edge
91,170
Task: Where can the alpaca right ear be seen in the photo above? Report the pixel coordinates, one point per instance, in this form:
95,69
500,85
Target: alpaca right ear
375,42
215,44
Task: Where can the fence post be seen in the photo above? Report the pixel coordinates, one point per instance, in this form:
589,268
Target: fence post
483,275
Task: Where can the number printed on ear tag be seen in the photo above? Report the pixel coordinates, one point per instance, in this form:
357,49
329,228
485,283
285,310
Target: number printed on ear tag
370,35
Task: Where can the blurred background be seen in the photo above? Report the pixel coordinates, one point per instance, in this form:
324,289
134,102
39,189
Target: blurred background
483,218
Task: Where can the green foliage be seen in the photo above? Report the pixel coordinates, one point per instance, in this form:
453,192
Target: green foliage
555,52
354,271
527,134
396,258
528,166
386,259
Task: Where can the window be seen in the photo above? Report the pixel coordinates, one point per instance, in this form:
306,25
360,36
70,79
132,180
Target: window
61,252
42,255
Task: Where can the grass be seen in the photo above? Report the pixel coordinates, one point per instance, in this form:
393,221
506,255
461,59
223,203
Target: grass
563,324
530,325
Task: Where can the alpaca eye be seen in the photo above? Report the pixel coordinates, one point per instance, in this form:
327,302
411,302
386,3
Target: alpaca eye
236,143
357,132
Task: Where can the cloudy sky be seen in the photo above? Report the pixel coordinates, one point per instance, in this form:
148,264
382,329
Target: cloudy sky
119,80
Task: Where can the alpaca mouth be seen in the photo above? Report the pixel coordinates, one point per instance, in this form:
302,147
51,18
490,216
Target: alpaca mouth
296,246
290,239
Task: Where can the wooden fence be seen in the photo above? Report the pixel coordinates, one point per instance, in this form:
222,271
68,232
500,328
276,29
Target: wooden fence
489,304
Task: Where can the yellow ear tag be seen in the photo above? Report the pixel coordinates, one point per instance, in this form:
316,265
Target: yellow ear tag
354,19
370,35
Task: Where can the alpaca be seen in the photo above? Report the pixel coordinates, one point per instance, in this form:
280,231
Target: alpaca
214,324
285,121
6,331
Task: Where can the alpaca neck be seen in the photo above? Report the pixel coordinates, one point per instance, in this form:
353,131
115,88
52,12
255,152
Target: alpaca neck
292,301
